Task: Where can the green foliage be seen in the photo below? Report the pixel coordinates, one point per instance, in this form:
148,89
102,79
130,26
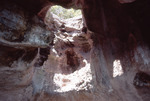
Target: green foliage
65,13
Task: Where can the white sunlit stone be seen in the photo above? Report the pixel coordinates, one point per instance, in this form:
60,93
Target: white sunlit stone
117,68
79,80
55,52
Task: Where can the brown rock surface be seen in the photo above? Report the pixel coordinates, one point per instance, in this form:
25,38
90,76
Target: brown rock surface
55,60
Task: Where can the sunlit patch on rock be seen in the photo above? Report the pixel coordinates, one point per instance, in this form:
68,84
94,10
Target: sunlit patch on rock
117,68
78,80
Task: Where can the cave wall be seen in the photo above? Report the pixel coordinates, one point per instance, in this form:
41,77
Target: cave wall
120,33
119,30
22,35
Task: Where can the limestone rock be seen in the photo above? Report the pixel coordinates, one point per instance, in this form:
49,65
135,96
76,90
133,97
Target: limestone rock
104,56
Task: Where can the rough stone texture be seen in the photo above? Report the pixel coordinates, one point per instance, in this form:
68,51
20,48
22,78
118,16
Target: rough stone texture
21,34
126,1
115,48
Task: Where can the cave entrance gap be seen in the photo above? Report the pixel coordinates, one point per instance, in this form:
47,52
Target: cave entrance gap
69,59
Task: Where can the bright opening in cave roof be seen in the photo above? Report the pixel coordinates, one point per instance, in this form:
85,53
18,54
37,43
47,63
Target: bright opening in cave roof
71,65
65,13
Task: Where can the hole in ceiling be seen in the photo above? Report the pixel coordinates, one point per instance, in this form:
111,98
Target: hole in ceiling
65,13
69,59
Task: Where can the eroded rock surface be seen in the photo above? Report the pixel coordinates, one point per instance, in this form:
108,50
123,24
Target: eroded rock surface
21,35
102,57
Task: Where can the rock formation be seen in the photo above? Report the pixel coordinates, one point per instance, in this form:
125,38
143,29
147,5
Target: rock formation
101,56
